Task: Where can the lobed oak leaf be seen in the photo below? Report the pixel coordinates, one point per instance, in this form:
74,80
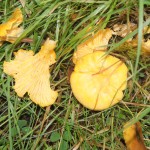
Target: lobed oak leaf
31,73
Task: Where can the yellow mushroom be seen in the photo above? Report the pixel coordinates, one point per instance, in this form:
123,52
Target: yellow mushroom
98,42
98,80
9,30
31,73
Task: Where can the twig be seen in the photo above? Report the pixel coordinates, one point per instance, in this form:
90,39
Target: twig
27,40
135,104
78,145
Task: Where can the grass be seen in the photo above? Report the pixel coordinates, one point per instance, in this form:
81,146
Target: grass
24,125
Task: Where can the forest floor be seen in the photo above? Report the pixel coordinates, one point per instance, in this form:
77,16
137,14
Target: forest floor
67,124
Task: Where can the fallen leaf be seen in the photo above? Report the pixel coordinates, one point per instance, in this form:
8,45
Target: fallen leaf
133,137
124,29
98,42
98,80
9,31
31,73
131,44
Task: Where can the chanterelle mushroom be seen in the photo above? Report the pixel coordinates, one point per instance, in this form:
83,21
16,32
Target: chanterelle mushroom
9,30
133,137
31,73
98,42
98,80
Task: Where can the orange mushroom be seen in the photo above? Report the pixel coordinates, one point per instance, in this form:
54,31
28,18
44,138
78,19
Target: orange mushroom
98,80
133,137
98,42
9,30
31,73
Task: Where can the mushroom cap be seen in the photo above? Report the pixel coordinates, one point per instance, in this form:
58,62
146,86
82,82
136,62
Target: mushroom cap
129,132
98,80
31,73
98,42
133,136
9,30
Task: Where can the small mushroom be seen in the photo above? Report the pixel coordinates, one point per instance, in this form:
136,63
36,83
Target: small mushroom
98,42
133,137
98,80
9,30
31,73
